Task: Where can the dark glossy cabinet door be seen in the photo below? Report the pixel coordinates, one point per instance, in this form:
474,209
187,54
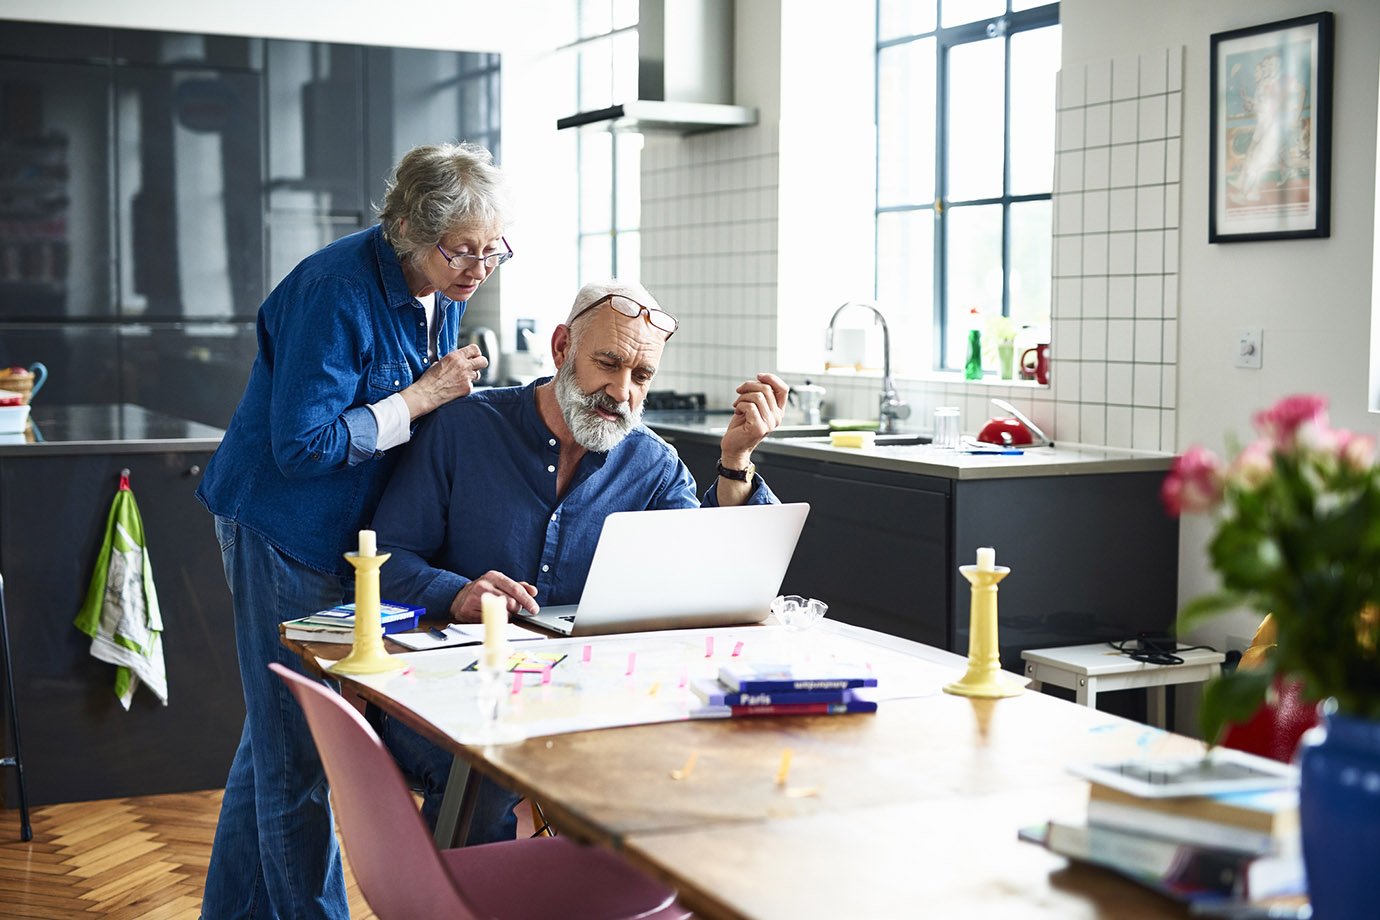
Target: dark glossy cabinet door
55,203
83,360
78,742
194,371
185,49
189,193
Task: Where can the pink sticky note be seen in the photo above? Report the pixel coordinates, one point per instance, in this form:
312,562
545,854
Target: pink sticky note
517,682
546,675
709,646
584,656
632,661
737,647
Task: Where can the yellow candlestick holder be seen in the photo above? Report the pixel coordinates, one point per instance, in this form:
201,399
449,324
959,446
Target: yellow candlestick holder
367,656
984,678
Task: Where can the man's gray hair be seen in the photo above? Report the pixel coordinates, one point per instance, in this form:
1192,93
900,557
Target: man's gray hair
597,290
439,189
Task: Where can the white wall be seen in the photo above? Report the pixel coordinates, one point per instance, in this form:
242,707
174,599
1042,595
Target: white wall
1311,297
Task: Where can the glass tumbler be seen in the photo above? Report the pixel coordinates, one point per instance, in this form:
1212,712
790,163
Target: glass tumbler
946,420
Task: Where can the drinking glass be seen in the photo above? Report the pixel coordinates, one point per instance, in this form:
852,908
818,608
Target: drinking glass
798,614
946,421
491,697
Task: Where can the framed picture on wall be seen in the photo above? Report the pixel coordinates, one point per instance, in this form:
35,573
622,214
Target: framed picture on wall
1271,147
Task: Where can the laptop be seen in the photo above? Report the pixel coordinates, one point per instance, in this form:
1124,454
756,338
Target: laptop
682,568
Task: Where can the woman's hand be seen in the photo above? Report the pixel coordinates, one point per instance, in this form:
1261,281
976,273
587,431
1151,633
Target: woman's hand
449,378
465,608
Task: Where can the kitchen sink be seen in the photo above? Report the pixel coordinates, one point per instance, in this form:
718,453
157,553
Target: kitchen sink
881,440
800,431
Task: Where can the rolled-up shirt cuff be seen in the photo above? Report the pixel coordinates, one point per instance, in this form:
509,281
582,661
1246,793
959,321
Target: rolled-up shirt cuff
394,422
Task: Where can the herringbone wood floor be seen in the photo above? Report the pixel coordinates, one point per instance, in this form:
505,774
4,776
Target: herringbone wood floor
141,858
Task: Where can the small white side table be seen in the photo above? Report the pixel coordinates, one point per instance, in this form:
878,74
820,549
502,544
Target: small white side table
1088,670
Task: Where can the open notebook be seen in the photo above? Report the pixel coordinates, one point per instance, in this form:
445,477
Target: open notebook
682,568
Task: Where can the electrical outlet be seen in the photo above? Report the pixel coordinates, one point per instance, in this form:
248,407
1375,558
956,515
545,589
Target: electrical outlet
528,326
1249,343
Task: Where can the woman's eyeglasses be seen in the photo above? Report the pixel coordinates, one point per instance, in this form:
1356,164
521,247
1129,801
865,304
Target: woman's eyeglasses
658,318
463,260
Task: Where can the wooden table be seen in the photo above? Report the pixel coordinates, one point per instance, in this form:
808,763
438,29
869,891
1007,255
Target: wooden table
914,811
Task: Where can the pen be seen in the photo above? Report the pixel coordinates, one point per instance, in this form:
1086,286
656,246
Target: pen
998,453
439,634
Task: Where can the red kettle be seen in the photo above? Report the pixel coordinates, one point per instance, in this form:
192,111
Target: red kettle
1014,430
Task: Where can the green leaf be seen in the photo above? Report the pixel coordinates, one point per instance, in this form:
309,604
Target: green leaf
1233,697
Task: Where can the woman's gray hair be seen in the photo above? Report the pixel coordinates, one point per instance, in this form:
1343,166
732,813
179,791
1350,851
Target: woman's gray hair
437,189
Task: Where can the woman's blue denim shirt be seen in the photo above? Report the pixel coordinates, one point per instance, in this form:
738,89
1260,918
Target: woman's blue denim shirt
298,463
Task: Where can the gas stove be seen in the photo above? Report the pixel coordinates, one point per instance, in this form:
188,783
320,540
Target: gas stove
671,401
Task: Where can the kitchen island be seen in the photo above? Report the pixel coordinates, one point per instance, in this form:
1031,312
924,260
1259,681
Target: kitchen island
56,485
1093,555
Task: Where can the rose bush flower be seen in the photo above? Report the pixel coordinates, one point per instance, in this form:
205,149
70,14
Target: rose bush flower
1297,536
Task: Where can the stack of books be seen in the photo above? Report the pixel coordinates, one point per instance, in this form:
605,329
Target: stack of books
338,623
746,689
1230,846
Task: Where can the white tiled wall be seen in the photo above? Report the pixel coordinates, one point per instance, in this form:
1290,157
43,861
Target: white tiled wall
709,247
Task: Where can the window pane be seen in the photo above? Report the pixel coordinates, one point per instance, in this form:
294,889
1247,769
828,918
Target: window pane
896,18
596,17
977,97
629,245
974,273
596,75
957,12
596,181
624,13
1034,64
596,257
905,287
1018,5
1031,241
906,124
629,179
624,75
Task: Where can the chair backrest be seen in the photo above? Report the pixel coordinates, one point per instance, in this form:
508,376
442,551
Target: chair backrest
391,853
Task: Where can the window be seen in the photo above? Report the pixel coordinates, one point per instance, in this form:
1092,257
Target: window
603,60
965,167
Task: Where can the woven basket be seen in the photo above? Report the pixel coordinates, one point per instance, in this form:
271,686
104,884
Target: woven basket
17,380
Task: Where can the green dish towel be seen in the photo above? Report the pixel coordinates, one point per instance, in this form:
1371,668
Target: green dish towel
120,612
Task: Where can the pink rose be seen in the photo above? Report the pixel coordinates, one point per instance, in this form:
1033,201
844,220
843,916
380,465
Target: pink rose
1195,483
1253,467
1281,422
1356,451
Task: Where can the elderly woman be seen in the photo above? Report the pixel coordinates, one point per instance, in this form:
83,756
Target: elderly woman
355,344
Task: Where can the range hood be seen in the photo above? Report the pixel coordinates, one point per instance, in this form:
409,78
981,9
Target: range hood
684,73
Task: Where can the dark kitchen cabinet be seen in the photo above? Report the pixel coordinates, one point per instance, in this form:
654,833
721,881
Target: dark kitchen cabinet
79,743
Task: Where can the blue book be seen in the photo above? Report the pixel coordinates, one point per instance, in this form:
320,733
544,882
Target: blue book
395,617
746,677
714,693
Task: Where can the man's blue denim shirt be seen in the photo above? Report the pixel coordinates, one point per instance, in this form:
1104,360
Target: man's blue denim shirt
476,491
298,464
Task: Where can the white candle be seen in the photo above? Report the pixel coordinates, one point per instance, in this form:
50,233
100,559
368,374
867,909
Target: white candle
367,544
986,558
494,613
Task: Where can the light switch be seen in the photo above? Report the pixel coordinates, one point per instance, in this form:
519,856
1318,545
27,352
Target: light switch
1249,343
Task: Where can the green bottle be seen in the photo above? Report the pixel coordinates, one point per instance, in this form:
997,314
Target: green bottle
972,370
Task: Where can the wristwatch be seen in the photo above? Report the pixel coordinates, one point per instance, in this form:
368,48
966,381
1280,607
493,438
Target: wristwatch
739,475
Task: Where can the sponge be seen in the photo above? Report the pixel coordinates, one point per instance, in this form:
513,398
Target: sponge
852,438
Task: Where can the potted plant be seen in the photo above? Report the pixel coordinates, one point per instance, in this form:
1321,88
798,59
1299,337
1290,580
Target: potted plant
1297,536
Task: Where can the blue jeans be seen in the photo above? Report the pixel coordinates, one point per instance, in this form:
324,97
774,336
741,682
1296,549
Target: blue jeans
275,853
429,765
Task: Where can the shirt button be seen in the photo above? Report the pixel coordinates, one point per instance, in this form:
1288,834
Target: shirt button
397,383
553,517
551,469
546,568
552,442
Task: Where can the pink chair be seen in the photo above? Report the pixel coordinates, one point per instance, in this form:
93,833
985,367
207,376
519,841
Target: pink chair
402,874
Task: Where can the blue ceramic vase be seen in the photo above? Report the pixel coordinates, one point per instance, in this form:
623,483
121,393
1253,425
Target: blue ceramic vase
1339,808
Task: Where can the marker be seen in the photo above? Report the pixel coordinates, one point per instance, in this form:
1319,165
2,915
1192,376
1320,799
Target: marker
437,634
998,453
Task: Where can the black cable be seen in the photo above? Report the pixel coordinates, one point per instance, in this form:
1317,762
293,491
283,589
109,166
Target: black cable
1151,652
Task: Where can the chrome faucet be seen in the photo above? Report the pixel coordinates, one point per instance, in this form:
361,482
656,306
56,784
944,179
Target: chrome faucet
890,406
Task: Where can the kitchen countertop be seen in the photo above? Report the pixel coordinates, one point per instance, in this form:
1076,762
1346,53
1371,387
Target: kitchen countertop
106,429
922,459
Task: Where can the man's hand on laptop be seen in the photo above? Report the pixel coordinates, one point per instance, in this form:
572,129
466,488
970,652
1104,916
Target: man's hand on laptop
466,607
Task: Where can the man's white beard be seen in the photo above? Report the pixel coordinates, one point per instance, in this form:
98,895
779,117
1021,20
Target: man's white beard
591,431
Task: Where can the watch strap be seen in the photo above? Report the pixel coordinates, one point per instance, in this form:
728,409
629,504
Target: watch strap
744,475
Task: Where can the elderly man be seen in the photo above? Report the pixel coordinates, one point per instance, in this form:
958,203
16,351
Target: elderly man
506,491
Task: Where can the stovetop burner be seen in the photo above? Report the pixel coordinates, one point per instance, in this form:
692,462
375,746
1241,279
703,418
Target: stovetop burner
664,400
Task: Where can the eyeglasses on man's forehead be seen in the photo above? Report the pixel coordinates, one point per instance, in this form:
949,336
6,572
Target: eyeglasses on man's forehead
657,317
491,261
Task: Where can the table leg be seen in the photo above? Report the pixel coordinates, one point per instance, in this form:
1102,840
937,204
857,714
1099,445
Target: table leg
1155,706
1085,694
457,805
